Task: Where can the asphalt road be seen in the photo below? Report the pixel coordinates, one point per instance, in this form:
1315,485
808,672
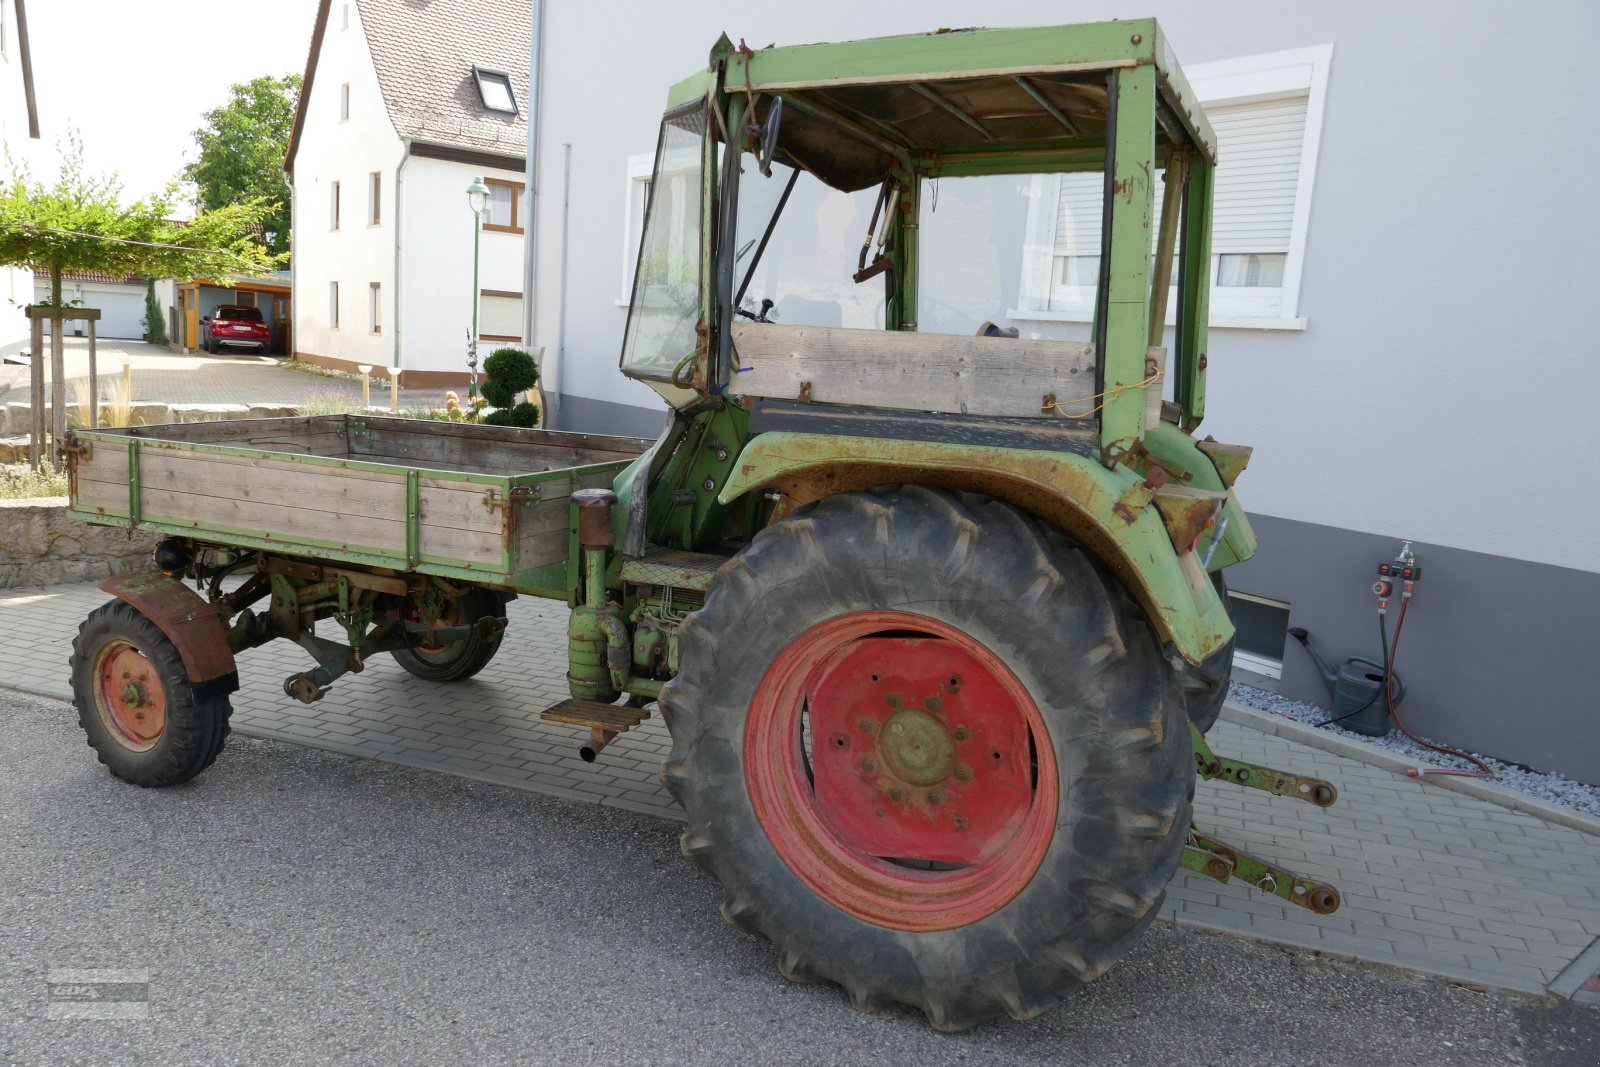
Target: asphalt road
294,906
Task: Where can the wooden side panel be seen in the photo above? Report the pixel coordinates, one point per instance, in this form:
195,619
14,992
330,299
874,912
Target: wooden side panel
455,521
320,435
280,499
544,526
483,449
101,481
911,371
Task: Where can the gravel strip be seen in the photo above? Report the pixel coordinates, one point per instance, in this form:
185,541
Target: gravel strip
1554,788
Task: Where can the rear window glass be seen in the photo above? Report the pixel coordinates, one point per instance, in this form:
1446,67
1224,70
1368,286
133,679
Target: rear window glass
247,314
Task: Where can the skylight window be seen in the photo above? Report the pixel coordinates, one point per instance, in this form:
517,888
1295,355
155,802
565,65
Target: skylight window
494,86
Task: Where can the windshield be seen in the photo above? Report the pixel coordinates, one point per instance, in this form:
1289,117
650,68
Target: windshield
665,304
811,251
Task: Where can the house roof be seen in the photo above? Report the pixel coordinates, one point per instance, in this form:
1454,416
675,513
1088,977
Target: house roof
43,272
424,52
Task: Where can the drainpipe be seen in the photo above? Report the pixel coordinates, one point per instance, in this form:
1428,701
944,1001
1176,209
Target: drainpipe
399,248
553,397
530,242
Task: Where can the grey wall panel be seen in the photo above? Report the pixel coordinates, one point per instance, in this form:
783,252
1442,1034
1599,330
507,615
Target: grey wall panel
1496,651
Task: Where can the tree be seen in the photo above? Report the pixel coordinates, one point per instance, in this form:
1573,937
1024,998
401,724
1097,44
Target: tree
242,146
78,223
155,323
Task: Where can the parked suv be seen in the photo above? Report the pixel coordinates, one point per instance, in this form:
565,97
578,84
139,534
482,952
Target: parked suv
235,324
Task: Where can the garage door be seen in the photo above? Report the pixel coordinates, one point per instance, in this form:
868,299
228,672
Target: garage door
121,309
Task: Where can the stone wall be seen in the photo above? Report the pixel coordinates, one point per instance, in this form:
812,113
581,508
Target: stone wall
41,545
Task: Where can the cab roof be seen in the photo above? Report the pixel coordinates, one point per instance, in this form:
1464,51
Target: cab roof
855,110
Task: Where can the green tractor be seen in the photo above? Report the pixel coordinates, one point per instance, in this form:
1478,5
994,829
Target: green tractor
933,611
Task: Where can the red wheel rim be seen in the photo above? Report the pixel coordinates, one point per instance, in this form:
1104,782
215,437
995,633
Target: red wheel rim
129,695
901,770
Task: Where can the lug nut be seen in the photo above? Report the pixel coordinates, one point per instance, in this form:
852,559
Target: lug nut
963,773
962,733
869,764
935,798
897,795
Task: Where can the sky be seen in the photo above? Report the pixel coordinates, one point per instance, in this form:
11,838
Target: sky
135,79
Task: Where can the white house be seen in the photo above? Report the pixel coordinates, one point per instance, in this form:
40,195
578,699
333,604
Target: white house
403,106
1400,271
19,123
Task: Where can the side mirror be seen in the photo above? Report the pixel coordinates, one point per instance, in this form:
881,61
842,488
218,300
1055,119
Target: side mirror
768,134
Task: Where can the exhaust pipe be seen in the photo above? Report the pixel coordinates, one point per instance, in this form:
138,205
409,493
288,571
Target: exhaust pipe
598,739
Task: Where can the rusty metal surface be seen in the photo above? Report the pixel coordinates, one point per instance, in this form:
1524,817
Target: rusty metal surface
1230,460
594,517
1188,513
613,718
674,568
190,623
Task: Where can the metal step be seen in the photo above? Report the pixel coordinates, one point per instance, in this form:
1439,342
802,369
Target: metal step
612,718
673,568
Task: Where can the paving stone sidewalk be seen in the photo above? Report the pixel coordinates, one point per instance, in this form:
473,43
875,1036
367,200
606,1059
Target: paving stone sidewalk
1433,881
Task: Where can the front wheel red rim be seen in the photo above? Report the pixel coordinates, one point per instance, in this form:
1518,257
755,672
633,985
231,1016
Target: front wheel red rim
129,696
901,770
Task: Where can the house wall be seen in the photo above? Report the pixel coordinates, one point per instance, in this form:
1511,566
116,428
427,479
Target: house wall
1444,287
436,258
357,254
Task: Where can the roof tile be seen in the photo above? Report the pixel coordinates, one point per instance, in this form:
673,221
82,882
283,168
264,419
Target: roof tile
424,52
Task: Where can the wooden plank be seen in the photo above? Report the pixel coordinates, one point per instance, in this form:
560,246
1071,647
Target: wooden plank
911,371
485,548
112,495
475,453
624,447
355,493
282,522
288,432
545,528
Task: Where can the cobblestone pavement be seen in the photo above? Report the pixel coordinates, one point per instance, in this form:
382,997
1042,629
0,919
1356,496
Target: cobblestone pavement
1433,880
163,376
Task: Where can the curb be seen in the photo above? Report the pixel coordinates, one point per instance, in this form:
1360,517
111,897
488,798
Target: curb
1311,737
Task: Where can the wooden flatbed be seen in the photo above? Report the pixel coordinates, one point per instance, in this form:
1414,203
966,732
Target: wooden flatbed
487,504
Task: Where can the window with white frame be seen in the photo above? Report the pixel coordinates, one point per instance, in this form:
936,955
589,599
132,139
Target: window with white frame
333,305
333,207
375,306
638,197
344,102
1267,114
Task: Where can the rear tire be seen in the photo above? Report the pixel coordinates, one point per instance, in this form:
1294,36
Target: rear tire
1008,889
148,723
462,660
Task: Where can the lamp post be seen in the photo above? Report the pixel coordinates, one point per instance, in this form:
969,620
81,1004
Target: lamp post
477,199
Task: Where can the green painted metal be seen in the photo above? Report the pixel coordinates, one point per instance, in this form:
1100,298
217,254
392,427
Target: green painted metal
1222,861
1195,298
412,529
1126,280
134,509
1179,455
1181,603
1213,767
958,53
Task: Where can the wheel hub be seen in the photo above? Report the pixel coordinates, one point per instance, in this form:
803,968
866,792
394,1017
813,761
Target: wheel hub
917,748
129,695
920,753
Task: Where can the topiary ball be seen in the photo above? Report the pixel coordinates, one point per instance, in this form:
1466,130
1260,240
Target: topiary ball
512,366
497,392
524,415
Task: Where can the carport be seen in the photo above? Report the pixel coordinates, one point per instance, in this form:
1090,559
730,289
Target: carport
200,299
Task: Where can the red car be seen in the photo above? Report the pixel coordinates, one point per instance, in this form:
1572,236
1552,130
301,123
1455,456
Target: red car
237,325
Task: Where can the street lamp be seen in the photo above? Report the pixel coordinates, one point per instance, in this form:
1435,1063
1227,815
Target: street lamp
478,200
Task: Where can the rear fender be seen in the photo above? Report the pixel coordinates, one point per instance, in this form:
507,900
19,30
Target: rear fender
194,625
1073,493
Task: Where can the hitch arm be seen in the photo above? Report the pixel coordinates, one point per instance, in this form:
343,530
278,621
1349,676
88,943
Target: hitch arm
1211,766
1222,861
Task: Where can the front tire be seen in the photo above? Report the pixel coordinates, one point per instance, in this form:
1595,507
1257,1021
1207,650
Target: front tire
932,751
146,721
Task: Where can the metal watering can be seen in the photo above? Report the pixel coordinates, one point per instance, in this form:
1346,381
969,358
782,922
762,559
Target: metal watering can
1357,690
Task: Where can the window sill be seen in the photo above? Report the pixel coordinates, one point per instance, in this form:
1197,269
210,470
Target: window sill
490,227
1218,322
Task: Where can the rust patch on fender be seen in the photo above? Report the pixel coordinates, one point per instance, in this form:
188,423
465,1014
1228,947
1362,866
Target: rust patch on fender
191,623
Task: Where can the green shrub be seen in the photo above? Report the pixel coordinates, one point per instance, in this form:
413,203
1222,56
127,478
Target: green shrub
524,414
21,482
497,392
155,322
511,367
